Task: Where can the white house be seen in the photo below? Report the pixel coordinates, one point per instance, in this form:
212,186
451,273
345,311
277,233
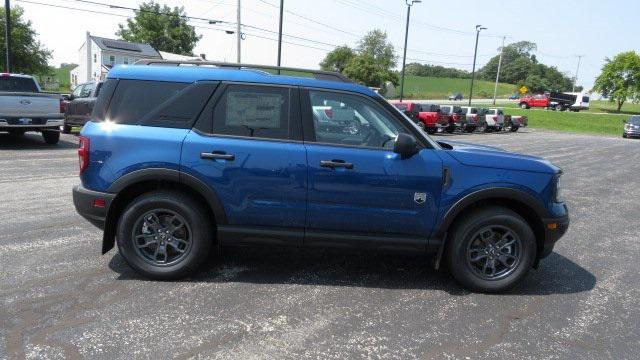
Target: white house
97,55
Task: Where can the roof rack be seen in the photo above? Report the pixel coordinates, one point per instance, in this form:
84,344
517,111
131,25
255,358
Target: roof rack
317,74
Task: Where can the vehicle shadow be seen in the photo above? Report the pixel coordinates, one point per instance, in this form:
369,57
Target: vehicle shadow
34,141
331,267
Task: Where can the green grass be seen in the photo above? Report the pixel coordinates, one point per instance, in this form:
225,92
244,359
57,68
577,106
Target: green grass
612,107
418,87
580,122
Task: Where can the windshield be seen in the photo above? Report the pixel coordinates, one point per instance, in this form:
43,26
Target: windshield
17,84
445,109
635,120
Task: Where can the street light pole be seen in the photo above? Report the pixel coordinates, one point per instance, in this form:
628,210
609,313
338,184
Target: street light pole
238,33
406,37
575,81
475,53
495,88
280,35
7,29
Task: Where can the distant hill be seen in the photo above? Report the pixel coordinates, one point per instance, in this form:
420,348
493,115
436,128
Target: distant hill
418,87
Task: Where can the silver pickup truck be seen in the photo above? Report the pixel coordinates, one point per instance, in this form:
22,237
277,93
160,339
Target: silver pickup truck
24,107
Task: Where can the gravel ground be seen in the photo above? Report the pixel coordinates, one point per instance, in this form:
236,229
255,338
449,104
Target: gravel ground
59,298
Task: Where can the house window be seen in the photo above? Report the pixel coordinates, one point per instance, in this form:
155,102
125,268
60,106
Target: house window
112,59
95,58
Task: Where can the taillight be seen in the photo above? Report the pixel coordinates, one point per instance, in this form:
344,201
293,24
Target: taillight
83,153
329,112
62,107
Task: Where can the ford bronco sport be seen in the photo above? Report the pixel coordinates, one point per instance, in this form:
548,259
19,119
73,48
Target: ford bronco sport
180,160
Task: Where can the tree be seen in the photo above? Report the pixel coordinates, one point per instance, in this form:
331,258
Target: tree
163,28
338,59
371,63
28,55
620,78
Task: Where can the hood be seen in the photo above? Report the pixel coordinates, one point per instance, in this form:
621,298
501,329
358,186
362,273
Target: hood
493,157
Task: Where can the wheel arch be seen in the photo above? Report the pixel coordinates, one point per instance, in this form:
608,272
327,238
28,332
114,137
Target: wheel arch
528,207
138,182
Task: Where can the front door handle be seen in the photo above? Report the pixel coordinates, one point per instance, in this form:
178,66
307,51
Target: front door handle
217,155
336,164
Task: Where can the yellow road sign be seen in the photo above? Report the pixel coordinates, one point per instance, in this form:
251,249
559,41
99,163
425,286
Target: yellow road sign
524,90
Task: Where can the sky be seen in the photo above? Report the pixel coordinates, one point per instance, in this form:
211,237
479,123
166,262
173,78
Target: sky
441,32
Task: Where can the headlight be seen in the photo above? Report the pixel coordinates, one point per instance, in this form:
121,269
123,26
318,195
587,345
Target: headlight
558,195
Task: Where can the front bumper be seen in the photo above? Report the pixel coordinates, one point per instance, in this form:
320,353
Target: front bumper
92,205
554,229
632,132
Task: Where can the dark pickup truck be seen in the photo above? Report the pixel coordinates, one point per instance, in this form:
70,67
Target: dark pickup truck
80,105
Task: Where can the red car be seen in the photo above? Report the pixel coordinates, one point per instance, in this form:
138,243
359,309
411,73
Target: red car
421,114
530,101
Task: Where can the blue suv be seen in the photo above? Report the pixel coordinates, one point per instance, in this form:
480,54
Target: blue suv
178,161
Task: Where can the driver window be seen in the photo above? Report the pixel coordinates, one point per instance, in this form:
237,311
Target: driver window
345,119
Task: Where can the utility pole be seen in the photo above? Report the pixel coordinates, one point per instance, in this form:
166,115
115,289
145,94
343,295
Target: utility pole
239,33
280,34
475,53
7,29
575,81
406,37
495,89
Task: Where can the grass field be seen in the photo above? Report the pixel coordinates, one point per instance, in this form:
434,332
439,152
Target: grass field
580,122
418,87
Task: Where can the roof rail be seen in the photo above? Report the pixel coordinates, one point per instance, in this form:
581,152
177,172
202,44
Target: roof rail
317,74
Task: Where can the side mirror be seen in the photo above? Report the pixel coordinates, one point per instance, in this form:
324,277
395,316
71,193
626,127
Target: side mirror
405,145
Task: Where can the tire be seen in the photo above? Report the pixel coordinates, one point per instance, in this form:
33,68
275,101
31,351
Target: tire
514,128
51,137
194,237
66,129
559,107
624,135
420,125
524,106
488,129
465,236
450,130
431,131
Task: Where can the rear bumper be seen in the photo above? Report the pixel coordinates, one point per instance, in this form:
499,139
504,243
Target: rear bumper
92,205
30,123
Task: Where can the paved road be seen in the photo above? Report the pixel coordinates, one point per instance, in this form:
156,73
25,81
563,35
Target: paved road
60,299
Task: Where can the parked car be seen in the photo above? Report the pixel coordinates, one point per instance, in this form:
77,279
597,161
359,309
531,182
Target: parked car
511,123
80,105
443,121
631,127
421,115
24,107
523,120
179,160
455,97
514,96
494,119
458,120
472,115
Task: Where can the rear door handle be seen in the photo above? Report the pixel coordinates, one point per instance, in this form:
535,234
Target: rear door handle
217,155
336,164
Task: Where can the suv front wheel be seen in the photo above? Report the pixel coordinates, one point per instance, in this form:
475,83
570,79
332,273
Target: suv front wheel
164,235
491,250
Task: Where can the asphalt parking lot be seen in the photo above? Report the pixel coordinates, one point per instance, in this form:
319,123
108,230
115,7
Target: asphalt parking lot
61,299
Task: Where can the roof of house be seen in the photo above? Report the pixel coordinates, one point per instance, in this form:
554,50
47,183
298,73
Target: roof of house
189,74
138,49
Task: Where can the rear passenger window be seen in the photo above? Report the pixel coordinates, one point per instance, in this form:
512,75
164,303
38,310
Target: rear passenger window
253,111
133,99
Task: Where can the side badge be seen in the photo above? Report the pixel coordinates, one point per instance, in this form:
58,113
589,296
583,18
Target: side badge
420,198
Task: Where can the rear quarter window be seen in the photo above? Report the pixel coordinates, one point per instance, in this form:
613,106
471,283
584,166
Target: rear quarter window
133,99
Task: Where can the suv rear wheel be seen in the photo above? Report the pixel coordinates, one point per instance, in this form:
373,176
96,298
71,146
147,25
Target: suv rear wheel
164,235
491,250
